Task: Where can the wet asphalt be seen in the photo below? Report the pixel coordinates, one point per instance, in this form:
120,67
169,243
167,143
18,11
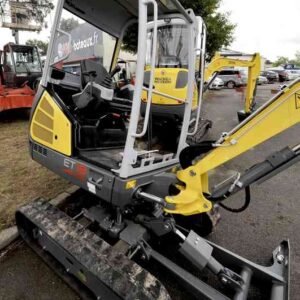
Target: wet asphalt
273,214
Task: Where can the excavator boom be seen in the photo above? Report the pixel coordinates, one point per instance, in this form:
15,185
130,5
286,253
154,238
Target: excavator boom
256,129
221,61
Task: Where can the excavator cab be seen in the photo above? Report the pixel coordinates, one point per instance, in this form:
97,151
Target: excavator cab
93,123
171,72
20,64
171,64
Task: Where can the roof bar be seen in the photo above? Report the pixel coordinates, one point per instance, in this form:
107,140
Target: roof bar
181,10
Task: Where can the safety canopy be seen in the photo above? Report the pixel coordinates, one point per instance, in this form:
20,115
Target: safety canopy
112,15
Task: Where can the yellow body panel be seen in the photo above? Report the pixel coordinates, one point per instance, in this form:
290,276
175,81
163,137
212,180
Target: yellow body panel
165,80
281,113
50,127
219,62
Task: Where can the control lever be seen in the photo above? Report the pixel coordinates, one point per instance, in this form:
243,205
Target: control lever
92,75
116,69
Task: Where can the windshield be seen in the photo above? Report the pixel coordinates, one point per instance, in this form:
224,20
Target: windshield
26,59
78,40
172,46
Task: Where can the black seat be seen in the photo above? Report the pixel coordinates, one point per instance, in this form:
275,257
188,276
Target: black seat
99,125
100,72
96,84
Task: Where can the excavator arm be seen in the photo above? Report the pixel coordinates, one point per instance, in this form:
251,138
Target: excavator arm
274,117
220,61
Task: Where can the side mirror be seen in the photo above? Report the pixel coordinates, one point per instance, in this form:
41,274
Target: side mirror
57,74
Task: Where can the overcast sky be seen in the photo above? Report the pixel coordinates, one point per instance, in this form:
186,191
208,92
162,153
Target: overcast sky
270,27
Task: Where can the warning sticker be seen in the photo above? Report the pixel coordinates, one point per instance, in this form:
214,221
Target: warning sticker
163,80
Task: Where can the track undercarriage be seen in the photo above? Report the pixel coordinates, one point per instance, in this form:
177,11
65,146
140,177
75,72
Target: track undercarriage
104,253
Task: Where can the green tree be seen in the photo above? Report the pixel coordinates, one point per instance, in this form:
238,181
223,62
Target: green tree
41,45
68,24
219,28
281,60
296,59
37,10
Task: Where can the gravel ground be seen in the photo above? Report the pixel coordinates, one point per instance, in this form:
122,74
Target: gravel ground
271,217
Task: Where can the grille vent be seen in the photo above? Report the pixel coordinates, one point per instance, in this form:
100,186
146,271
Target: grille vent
42,126
39,149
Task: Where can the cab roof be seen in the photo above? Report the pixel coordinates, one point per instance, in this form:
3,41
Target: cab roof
111,16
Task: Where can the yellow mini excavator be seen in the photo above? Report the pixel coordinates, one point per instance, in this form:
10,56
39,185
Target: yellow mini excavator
145,203
170,87
251,62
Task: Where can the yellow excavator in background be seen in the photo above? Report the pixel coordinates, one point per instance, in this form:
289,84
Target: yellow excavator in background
252,62
170,82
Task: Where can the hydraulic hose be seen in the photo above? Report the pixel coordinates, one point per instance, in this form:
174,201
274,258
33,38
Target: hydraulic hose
274,164
244,207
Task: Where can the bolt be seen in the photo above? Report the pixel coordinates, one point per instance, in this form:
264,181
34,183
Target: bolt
40,232
193,173
143,256
167,226
99,297
196,242
224,280
205,205
68,270
280,258
197,239
44,248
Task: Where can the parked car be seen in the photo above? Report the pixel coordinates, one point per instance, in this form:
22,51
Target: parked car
217,84
262,80
282,74
270,75
293,74
233,78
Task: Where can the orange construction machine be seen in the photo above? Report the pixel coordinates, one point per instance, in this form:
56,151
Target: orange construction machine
20,72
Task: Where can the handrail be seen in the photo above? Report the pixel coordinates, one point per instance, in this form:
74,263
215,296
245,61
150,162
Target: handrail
153,57
165,95
46,73
202,61
182,10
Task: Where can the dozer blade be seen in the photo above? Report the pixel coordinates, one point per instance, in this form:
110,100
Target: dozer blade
276,276
104,271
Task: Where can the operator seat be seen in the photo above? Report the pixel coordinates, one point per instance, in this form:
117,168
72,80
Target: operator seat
99,126
96,83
